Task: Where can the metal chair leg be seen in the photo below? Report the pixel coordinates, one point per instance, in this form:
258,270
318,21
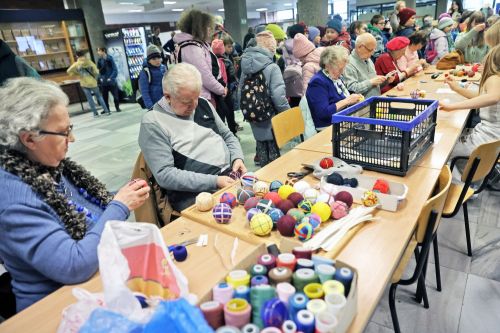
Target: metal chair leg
421,279
392,307
467,230
436,263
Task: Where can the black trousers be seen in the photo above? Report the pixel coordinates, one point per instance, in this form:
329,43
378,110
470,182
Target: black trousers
224,108
106,89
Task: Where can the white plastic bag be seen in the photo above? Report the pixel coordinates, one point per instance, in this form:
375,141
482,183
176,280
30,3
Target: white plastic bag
75,315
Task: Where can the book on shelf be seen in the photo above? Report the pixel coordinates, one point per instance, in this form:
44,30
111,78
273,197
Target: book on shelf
7,35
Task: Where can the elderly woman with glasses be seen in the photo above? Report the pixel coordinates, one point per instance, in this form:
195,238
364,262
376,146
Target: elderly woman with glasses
52,211
326,93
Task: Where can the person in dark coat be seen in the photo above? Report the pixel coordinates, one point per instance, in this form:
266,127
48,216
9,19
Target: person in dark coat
107,77
12,65
250,34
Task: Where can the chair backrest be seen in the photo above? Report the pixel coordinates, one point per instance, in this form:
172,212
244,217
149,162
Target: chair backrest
435,203
287,125
488,155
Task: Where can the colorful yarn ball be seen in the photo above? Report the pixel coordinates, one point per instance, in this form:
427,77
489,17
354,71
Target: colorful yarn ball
251,212
326,163
381,185
273,196
275,186
251,203
314,219
222,213
295,197
274,313
339,209
235,175
261,224
345,197
311,195
243,195
204,201
228,198
304,231
301,186
275,214
285,190
369,199
286,225
335,178
296,213
248,179
305,205
265,205
351,182
322,210
285,205
260,188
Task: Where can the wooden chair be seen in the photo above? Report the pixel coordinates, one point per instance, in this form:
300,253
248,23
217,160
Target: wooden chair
427,225
288,125
480,164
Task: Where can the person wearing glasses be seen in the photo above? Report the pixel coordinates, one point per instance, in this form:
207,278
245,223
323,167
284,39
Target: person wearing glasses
376,28
52,210
360,75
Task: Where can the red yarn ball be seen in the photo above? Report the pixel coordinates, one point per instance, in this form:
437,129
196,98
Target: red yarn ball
273,196
251,203
381,185
295,197
345,197
326,163
285,205
286,226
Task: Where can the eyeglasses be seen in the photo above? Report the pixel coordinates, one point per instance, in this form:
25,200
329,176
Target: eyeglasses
369,50
66,134
381,23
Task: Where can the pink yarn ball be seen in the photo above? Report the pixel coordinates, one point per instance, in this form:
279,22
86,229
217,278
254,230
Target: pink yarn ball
339,209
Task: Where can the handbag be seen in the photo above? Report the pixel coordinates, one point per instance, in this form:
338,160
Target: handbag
451,60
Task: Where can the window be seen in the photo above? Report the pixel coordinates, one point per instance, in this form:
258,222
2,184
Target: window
284,15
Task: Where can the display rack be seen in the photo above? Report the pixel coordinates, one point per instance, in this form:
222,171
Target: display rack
134,40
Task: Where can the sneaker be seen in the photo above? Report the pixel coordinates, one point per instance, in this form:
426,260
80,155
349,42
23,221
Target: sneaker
103,112
118,110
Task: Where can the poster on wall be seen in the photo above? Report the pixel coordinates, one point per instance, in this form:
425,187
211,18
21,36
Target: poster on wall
116,49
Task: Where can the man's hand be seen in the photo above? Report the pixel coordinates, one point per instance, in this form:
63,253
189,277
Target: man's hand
378,80
238,165
224,181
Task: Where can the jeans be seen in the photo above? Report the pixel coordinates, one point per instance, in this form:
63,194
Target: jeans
88,93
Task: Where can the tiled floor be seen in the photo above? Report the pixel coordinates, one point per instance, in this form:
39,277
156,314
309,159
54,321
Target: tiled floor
470,300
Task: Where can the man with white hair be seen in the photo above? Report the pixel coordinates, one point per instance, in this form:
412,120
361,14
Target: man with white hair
185,144
360,75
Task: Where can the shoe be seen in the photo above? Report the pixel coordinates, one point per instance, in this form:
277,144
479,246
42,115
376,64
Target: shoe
256,160
118,110
103,112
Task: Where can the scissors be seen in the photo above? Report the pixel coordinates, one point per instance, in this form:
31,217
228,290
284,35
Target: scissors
185,243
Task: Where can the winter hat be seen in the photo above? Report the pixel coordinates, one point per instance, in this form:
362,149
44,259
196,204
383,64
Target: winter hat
276,30
322,30
313,33
443,15
265,39
295,29
335,25
405,14
218,47
397,43
302,46
445,22
260,28
153,52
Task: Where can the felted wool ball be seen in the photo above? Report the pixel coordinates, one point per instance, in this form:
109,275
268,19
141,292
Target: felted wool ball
296,213
415,93
251,212
369,199
328,188
323,210
351,182
335,178
261,224
305,205
286,225
235,175
265,205
381,185
222,213
243,195
295,197
323,197
275,214
204,201
228,198
285,190
301,186
273,196
248,179
314,219
251,203
304,231
339,209
345,197
311,195
275,185
260,188
326,163
285,206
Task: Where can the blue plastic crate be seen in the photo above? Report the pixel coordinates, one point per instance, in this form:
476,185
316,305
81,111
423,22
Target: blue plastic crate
385,134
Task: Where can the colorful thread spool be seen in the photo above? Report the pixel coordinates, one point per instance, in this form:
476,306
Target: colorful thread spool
180,253
258,269
222,213
333,287
305,263
296,303
261,224
304,231
275,186
213,312
238,278
286,260
228,329
305,321
344,275
259,279
280,274
314,290
228,198
303,277
325,322
289,326
267,260
316,306
248,179
237,312
250,328
302,253
335,303
242,292
285,290
274,313
270,330
258,296
325,272
222,293
318,260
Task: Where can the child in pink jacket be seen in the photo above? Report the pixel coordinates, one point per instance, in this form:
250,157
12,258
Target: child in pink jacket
309,55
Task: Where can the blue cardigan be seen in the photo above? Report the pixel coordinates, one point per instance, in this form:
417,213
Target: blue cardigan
152,91
322,94
35,247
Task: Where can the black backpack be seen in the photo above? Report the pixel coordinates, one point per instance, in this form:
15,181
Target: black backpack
256,103
138,97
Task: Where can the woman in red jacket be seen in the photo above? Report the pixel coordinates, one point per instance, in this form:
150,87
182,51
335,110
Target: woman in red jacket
386,63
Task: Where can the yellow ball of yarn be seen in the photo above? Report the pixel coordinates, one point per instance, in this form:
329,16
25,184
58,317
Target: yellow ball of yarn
261,224
322,210
285,190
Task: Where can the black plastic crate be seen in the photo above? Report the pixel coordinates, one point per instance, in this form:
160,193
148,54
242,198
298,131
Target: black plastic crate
385,134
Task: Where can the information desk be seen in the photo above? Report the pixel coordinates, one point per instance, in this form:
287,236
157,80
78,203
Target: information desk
203,268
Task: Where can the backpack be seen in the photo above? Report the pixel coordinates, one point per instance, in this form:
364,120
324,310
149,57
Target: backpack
451,60
138,97
430,52
256,103
292,75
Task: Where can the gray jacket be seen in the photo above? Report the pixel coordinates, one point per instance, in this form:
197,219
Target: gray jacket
357,76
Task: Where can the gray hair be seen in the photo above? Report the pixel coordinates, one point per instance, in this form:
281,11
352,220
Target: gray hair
25,103
182,75
333,55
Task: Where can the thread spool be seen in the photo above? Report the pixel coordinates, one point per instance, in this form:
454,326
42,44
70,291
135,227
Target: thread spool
258,269
250,328
304,263
268,260
305,321
316,306
302,252
314,290
242,292
271,330
335,303
286,260
318,260
285,290
280,274
344,275
289,326
297,302
238,278
258,280
222,293
303,277
333,287
274,313
258,296
325,272
237,312
213,313
325,322
228,329
273,249
180,253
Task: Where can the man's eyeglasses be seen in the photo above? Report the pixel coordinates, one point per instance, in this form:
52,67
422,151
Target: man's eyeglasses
369,50
66,134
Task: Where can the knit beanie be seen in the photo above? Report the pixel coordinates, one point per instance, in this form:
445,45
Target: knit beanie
276,30
445,22
443,15
153,52
218,46
302,46
405,14
335,24
295,29
260,28
265,39
313,33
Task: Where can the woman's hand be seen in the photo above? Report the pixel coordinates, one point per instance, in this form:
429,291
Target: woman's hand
238,165
451,83
446,107
134,194
353,99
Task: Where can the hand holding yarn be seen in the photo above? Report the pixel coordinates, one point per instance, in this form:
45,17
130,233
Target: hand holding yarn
134,194
239,166
224,181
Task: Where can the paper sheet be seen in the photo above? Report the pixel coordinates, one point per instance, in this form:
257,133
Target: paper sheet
445,91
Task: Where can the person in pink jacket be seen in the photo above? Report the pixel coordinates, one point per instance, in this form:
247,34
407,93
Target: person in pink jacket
410,61
193,48
308,54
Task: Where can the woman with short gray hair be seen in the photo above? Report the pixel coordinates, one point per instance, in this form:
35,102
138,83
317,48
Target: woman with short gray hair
52,211
326,93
